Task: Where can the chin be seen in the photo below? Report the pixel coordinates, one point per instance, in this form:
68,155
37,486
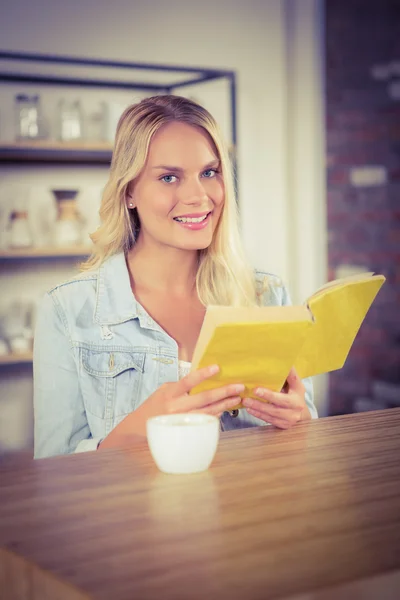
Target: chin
199,245
193,242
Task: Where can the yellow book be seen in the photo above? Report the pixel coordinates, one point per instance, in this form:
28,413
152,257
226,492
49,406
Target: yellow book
258,346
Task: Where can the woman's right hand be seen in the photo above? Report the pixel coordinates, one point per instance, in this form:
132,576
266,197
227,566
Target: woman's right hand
175,397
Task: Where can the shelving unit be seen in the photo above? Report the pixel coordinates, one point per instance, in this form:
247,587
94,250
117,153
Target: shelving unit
51,151
44,252
133,76
16,359
154,78
48,71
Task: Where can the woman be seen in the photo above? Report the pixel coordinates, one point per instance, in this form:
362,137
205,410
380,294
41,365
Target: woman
113,345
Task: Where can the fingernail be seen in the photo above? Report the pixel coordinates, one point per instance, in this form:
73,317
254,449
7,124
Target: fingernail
213,369
239,387
259,392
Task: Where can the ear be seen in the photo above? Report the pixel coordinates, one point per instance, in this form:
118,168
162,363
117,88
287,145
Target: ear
129,198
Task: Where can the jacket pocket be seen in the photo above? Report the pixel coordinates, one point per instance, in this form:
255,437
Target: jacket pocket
111,380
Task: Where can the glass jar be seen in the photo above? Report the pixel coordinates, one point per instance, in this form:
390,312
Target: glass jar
67,228
96,122
27,116
20,235
69,120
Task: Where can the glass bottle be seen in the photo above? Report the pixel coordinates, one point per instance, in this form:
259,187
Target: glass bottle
96,122
69,120
27,116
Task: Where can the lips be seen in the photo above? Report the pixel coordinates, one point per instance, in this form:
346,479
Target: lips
194,222
193,215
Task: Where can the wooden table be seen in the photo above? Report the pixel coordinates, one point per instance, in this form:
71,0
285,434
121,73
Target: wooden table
279,514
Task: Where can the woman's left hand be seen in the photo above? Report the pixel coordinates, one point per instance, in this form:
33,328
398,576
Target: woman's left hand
283,409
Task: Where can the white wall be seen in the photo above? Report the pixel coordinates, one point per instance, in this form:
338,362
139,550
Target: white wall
305,155
250,37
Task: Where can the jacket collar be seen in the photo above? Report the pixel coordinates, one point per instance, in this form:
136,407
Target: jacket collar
115,302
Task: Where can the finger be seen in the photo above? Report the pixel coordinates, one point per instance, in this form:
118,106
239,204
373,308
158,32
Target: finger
280,423
224,405
270,411
294,382
209,397
218,408
184,385
288,400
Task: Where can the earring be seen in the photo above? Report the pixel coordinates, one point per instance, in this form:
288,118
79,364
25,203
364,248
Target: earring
130,204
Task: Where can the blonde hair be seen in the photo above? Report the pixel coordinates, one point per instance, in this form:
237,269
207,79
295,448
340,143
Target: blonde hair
223,275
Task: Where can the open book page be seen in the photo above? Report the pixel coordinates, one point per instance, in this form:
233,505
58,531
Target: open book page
220,315
338,315
258,351
358,277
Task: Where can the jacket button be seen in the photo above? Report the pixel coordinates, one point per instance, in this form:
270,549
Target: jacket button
234,413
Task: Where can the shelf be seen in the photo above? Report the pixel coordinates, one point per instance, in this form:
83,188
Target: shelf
16,359
45,252
53,151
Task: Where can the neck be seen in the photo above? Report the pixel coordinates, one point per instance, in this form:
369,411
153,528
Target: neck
163,269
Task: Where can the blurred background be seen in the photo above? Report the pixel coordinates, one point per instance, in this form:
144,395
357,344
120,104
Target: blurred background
307,93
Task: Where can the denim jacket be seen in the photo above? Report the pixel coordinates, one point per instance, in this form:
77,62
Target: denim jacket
98,355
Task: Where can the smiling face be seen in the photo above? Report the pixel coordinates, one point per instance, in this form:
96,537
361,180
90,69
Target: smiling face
179,194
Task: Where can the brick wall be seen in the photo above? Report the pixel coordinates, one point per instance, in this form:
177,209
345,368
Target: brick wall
363,155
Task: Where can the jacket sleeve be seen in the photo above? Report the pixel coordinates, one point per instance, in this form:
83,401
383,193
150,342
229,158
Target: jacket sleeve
274,294
60,423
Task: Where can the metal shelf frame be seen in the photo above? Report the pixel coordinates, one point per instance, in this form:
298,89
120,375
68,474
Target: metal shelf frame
194,76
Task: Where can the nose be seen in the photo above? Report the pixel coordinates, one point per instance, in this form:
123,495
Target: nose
192,192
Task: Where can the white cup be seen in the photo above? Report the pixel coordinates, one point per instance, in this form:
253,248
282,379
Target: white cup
183,443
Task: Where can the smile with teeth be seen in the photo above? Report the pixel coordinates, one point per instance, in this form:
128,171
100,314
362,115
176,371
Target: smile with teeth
191,219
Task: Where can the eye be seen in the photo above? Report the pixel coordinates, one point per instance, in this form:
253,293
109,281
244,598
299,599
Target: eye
210,173
168,178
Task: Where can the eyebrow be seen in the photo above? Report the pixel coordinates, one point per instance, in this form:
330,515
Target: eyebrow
213,163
